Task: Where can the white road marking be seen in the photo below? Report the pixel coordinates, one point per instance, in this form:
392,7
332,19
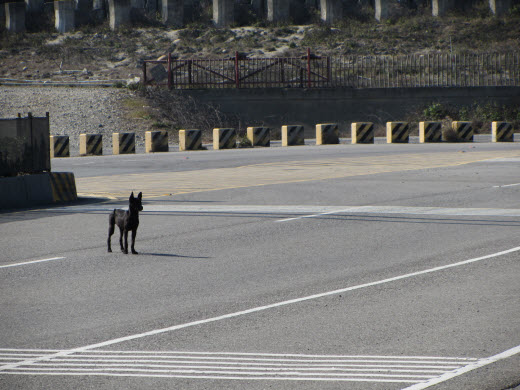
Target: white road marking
468,368
242,366
31,262
309,210
507,185
66,353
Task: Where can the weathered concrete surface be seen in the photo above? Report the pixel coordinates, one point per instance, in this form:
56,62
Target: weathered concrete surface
273,107
25,191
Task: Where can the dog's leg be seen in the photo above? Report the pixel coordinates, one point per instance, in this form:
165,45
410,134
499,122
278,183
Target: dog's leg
134,233
121,239
111,223
125,232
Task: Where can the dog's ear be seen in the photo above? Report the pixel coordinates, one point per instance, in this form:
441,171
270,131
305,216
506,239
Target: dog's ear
140,196
132,195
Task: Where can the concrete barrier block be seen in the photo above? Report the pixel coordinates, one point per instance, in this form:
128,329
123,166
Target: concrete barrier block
327,134
259,136
502,132
59,146
293,135
464,130
362,133
156,141
123,143
224,139
430,132
397,132
63,186
90,145
190,140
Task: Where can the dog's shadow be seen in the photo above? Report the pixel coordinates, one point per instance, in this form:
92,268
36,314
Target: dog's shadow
172,255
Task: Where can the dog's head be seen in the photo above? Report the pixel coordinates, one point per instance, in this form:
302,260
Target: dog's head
135,203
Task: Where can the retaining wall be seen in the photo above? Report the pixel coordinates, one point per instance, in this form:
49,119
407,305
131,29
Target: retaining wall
270,107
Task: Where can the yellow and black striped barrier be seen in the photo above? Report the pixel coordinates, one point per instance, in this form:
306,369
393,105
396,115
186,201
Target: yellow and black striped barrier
90,145
327,133
63,186
362,133
259,136
190,140
156,141
224,138
464,130
430,132
397,132
502,132
123,143
293,135
59,146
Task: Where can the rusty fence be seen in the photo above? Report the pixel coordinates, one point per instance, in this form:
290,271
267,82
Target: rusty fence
311,71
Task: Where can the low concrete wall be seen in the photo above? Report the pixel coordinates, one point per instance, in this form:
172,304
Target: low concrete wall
274,107
37,189
25,191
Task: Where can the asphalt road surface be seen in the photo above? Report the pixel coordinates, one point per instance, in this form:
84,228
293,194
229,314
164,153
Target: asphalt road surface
332,267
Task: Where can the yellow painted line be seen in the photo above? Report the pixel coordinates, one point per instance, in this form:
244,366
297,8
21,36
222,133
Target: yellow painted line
165,183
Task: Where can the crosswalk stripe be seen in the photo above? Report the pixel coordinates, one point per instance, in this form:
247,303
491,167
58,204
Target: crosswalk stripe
234,366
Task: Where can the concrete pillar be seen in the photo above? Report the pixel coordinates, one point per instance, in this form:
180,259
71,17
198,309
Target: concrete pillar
34,5
138,4
151,6
278,10
223,12
382,9
98,4
258,7
2,15
331,10
119,13
84,10
64,16
173,13
440,7
15,17
500,7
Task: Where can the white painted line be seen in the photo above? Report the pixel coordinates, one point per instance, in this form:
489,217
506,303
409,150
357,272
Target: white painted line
445,211
507,185
251,311
308,211
31,262
468,368
318,215
249,378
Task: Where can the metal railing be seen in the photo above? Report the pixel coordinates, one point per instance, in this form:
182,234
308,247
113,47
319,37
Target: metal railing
310,71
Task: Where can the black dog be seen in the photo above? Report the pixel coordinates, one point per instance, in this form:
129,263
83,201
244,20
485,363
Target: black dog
126,221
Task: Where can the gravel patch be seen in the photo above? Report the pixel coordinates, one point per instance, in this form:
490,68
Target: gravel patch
74,111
